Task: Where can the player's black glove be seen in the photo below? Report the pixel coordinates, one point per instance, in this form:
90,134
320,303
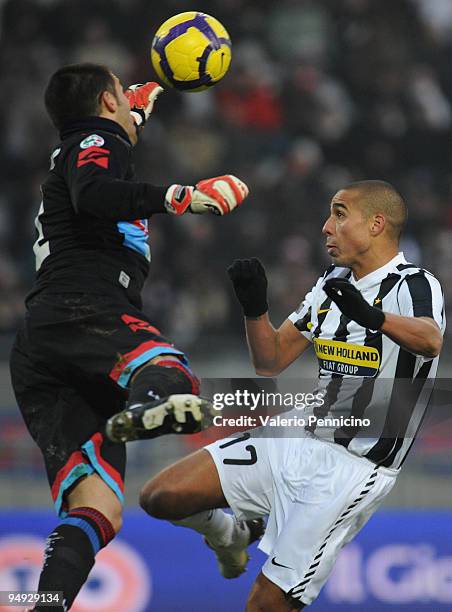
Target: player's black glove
250,286
352,304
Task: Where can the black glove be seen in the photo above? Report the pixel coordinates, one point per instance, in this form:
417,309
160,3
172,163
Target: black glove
352,304
250,286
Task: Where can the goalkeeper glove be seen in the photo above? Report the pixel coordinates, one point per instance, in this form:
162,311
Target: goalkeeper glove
250,285
352,304
219,195
141,100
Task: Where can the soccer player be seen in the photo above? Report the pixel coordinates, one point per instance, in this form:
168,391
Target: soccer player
376,323
86,349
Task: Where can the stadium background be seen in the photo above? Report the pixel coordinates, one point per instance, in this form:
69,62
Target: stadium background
319,93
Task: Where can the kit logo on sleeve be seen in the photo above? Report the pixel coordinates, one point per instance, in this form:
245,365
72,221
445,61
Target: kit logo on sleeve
93,140
93,155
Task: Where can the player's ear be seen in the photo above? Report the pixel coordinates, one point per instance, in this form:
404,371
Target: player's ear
108,101
378,224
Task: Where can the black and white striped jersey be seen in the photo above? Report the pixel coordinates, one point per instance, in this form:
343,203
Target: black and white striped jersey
363,373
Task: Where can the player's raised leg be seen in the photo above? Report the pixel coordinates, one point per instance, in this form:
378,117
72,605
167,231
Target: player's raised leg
188,486
191,493
163,398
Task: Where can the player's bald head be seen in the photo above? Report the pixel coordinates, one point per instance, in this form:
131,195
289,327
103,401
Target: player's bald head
374,197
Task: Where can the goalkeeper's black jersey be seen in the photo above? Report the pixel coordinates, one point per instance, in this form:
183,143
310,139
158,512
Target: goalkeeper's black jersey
92,225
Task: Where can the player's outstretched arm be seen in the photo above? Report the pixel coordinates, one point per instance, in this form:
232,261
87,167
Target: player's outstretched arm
218,195
95,177
271,350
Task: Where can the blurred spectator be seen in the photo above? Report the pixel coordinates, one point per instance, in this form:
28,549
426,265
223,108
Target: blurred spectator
300,29
97,43
437,15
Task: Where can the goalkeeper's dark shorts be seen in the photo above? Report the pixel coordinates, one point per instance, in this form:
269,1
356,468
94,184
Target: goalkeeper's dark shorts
71,366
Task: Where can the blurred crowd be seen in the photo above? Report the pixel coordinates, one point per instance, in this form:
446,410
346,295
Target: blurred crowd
320,93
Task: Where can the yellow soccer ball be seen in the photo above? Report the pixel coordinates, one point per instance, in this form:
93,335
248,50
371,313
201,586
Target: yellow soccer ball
191,51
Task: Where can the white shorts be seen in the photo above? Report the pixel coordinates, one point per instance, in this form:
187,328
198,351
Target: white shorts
316,494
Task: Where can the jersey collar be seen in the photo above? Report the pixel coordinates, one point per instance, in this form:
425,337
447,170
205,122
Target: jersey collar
90,124
380,273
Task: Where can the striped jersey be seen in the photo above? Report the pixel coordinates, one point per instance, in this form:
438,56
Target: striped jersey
363,373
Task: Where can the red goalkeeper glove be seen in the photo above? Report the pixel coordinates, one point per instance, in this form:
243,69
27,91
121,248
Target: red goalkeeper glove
141,100
219,195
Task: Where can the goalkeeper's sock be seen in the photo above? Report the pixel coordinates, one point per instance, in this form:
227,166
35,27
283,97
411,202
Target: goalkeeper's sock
216,525
154,382
70,554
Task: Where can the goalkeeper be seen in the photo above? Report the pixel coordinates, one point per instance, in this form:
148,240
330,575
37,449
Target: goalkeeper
86,350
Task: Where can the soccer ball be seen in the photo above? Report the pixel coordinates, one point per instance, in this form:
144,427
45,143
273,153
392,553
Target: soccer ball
191,51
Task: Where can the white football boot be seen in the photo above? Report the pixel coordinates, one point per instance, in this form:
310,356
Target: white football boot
233,559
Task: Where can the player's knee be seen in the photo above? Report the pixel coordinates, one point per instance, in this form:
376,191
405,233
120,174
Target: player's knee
160,377
155,500
92,492
114,512
161,501
116,520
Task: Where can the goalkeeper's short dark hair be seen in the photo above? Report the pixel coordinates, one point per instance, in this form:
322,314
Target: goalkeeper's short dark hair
74,92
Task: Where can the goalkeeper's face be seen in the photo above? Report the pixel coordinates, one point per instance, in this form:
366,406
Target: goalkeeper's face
122,110
347,230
